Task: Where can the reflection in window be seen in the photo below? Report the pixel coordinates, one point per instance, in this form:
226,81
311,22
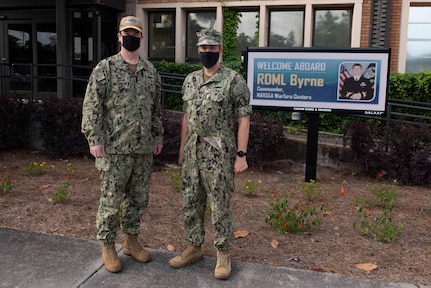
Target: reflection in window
332,28
47,43
196,21
83,38
247,33
20,53
162,35
76,36
46,54
419,40
286,29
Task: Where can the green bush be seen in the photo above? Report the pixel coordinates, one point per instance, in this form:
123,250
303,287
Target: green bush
177,68
410,86
6,185
371,220
405,158
16,119
266,141
60,121
288,216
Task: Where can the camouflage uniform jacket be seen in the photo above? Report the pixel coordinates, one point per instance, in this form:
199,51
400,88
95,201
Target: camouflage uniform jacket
213,108
121,108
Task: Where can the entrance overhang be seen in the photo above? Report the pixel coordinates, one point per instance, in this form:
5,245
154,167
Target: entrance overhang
30,4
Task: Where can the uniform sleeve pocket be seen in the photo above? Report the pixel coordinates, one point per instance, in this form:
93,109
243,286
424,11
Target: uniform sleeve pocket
99,75
188,95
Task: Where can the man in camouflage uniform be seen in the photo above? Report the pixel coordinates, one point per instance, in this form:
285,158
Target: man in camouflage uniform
214,98
122,123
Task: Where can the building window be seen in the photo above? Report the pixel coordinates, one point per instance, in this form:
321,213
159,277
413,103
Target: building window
247,33
419,40
196,21
332,28
162,35
286,28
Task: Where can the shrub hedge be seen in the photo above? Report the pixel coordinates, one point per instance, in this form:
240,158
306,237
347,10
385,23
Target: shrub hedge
56,122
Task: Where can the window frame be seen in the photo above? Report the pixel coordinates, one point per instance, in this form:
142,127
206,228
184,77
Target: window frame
191,39
249,10
323,8
412,40
150,35
182,8
290,9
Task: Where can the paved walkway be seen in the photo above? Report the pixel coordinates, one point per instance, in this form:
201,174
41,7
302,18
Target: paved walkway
44,260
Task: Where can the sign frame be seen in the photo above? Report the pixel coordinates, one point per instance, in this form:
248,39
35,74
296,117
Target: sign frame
312,79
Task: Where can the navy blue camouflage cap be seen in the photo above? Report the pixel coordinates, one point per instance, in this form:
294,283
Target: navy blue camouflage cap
208,37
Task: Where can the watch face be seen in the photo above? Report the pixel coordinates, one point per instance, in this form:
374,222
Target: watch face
240,153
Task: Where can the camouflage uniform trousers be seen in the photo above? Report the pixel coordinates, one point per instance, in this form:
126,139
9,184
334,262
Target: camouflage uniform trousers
125,180
208,175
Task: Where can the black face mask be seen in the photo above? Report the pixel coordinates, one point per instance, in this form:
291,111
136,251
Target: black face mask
131,43
209,59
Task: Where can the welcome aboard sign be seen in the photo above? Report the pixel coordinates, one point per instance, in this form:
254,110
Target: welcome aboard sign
319,80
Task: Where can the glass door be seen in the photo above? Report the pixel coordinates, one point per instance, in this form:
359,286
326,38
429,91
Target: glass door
4,67
46,71
83,48
20,49
30,54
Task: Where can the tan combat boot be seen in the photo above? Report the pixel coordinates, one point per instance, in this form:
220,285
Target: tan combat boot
191,255
131,247
223,267
110,257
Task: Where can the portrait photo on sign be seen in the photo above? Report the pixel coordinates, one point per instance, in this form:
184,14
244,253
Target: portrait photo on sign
357,81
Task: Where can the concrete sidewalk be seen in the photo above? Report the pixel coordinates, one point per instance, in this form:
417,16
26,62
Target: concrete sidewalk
44,260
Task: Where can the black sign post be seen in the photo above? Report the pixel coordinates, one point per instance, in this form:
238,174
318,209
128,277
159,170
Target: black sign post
312,146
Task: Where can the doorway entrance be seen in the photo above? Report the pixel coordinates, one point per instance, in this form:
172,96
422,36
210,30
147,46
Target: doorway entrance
29,56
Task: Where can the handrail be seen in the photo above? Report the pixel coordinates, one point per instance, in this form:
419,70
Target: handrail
169,77
172,83
394,100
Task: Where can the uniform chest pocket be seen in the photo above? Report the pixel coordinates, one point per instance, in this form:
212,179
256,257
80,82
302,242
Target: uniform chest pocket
119,92
145,83
216,94
216,102
145,91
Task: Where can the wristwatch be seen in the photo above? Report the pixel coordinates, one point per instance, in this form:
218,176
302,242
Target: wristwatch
241,153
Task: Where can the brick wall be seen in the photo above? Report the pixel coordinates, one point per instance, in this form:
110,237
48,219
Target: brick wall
394,33
394,29
366,22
